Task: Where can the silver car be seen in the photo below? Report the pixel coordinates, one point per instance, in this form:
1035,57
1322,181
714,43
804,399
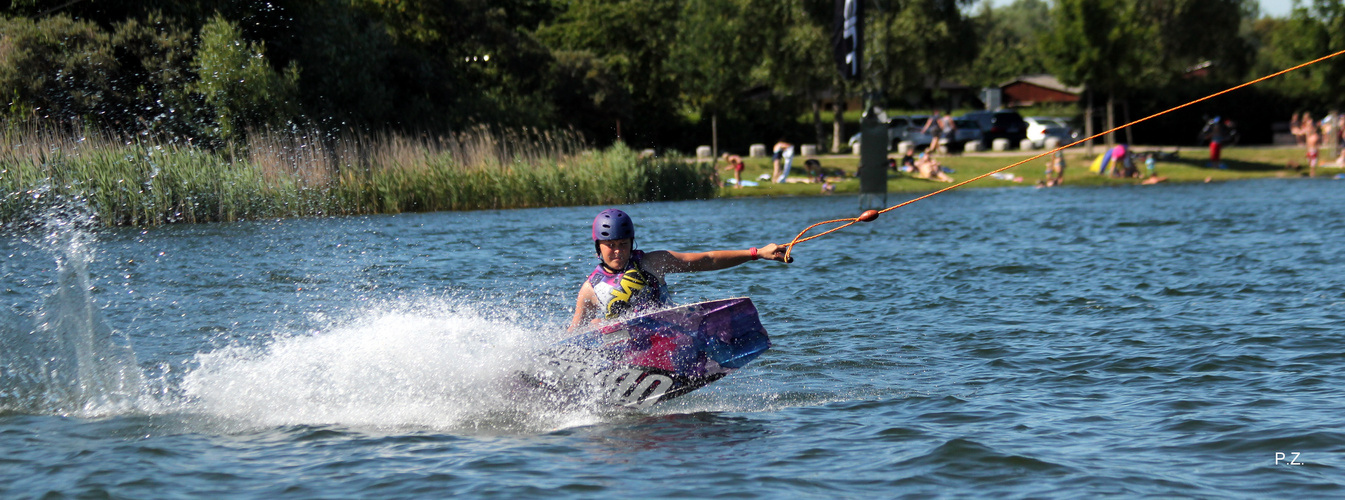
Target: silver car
1041,127
908,128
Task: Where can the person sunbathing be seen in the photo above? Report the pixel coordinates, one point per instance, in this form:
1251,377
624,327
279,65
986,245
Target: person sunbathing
928,168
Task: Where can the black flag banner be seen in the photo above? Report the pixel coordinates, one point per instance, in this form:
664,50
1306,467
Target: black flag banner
847,40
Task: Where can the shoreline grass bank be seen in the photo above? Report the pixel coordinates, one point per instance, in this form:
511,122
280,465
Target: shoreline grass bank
140,182
1189,165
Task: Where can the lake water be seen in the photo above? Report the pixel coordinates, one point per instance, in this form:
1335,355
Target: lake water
1170,340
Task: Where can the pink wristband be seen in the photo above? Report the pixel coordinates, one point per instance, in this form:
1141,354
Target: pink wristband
754,253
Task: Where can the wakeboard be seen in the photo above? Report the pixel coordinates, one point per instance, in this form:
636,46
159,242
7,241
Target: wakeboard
654,357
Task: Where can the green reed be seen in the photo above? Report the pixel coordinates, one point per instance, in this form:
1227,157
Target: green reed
141,181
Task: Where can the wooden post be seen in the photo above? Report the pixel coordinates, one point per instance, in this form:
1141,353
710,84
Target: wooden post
714,135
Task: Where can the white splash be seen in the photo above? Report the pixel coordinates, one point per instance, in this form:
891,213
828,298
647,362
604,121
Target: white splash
437,365
67,360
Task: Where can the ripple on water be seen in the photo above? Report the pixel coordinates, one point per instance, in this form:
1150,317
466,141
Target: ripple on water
1002,343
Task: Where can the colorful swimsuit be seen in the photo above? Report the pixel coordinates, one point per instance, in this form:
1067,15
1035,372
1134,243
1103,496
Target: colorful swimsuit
632,290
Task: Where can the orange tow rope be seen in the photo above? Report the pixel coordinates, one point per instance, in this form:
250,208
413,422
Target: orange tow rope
870,215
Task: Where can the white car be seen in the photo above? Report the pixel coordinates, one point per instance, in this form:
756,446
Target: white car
1041,127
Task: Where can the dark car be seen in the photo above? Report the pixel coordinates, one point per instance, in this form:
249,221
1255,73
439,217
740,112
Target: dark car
967,131
999,124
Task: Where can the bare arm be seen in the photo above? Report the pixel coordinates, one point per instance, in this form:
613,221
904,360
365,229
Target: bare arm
585,307
664,262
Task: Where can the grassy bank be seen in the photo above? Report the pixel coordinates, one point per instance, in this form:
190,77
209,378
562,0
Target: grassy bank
1188,166
135,181
138,181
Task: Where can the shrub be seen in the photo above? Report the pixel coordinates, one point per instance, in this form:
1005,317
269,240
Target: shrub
233,78
57,66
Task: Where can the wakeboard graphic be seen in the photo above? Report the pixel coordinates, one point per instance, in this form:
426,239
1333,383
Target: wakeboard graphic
654,357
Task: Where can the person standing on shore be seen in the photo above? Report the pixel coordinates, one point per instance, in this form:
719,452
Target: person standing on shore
1340,140
1296,128
1304,122
782,152
1314,141
1055,169
948,128
735,162
1330,134
1214,132
629,281
934,130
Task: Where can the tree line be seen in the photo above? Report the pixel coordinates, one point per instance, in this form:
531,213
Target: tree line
652,73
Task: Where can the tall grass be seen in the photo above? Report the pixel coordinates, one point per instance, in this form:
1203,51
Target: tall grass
141,181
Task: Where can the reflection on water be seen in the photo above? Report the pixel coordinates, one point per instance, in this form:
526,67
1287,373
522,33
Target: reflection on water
702,434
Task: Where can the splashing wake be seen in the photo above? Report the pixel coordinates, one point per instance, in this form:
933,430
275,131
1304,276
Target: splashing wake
64,359
437,364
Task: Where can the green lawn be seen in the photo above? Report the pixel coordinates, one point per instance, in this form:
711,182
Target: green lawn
1189,166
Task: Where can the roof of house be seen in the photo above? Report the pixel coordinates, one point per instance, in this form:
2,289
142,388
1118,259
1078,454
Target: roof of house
1045,81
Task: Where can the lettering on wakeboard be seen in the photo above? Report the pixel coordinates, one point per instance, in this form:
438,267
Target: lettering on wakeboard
631,386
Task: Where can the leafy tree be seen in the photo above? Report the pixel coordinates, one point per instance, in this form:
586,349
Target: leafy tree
56,67
1119,46
715,50
1187,33
633,40
467,61
1101,44
797,58
588,94
154,57
350,67
1009,46
915,44
235,80
1308,33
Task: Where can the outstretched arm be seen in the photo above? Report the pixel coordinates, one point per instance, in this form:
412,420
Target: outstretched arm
663,262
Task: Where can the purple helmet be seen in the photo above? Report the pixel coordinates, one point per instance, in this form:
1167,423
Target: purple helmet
612,224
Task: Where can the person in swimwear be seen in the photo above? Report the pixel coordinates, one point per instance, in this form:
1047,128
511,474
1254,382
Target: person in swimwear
735,163
630,281
1314,141
934,128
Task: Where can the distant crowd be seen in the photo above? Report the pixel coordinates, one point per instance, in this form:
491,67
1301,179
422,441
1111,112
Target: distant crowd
1318,137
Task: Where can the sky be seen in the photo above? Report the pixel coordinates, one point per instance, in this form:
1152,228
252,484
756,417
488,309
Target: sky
1276,8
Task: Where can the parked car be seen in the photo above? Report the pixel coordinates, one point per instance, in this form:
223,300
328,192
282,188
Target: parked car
999,124
1074,132
908,128
912,129
897,128
1041,127
967,131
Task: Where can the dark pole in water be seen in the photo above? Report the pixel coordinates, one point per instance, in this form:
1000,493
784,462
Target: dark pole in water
872,156
849,46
